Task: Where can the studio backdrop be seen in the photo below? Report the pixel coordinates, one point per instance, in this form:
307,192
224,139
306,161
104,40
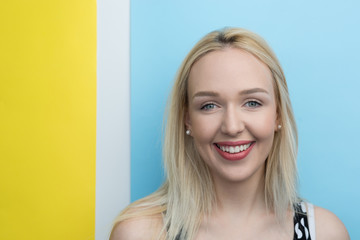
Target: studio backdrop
84,84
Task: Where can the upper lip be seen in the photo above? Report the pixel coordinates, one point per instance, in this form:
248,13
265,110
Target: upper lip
237,143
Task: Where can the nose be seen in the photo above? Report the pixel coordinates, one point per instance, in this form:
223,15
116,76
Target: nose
232,123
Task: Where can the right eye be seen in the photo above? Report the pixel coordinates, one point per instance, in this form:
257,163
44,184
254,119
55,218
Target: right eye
208,106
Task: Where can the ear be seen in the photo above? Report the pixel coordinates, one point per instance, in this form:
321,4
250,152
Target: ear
277,122
187,120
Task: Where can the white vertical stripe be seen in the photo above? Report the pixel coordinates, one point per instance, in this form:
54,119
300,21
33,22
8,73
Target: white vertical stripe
311,220
113,113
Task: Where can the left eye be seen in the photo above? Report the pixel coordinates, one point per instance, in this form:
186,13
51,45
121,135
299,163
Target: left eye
252,104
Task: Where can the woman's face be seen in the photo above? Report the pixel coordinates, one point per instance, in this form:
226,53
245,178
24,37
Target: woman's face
232,113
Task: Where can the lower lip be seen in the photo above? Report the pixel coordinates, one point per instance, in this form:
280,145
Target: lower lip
234,156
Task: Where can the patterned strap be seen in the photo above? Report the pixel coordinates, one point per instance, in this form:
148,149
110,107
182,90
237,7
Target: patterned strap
302,229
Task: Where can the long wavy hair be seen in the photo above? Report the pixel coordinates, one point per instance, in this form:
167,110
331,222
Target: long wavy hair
188,193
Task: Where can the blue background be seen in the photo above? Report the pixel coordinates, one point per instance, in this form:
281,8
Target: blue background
318,45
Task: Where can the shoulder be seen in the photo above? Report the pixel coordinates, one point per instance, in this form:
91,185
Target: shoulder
329,226
138,228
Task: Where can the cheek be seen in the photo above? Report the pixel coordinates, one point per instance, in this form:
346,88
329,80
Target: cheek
263,126
203,128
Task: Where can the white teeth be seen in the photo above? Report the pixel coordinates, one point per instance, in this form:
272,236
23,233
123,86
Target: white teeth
234,149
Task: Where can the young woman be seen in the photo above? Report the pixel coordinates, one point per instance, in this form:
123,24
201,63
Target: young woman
230,153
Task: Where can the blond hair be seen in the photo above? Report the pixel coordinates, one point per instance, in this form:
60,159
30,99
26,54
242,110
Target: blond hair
188,192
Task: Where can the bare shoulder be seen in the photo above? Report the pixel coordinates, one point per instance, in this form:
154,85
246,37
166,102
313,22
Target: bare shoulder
137,228
329,226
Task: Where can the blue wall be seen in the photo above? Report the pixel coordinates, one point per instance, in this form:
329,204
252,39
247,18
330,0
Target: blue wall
317,43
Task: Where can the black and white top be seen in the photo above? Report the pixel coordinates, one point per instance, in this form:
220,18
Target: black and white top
304,221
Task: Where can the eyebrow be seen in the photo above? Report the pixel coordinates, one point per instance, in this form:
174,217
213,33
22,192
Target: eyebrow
253,90
206,94
243,92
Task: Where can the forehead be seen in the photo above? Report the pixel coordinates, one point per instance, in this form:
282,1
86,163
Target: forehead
229,70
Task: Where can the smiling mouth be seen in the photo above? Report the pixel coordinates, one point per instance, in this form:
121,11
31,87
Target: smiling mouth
233,149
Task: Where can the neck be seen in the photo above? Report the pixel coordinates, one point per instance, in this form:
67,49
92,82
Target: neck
242,198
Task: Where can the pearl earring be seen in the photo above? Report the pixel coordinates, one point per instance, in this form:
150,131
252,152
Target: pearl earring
279,126
188,132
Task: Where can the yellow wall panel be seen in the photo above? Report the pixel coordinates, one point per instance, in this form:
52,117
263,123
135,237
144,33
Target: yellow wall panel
47,119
